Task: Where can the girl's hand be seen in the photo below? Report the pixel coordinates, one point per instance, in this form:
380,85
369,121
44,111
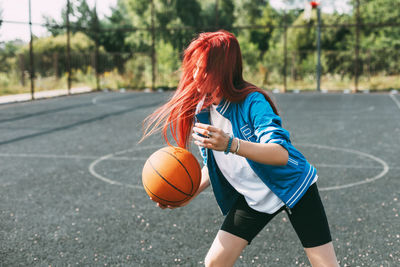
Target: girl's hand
161,206
215,138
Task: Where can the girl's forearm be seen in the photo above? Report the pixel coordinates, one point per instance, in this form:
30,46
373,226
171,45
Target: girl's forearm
205,181
216,139
270,153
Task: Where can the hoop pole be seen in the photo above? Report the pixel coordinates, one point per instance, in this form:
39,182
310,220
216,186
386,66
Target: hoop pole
31,61
153,47
68,61
285,53
357,47
319,68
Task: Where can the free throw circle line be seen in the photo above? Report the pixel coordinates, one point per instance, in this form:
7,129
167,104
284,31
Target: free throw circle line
384,171
366,180
107,157
396,101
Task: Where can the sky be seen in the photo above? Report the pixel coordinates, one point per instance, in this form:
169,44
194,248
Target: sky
328,6
18,10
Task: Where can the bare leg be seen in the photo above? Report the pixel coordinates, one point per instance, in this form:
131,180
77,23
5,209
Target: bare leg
225,249
322,256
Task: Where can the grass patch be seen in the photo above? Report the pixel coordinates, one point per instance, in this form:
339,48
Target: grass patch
10,83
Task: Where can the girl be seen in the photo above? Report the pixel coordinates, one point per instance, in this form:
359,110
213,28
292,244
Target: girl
254,170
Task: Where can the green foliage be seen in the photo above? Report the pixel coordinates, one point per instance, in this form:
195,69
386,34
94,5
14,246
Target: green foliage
114,36
167,65
380,41
50,53
250,55
81,16
125,39
138,70
139,14
8,54
84,19
248,11
226,14
189,13
79,43
168,14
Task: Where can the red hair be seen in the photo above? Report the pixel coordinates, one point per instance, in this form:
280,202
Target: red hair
214,58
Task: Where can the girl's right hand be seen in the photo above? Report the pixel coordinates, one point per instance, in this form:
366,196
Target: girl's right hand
161,206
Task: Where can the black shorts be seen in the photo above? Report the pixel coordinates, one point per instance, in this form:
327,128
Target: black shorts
307,218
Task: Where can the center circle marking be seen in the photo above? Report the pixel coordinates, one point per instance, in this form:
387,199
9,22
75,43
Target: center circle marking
385,166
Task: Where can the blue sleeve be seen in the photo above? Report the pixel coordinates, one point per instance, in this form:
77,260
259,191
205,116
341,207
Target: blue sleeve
203,153
266,124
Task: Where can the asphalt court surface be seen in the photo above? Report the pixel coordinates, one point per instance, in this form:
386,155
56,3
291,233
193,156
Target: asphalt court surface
71,193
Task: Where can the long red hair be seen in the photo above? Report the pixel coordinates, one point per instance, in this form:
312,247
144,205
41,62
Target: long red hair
211,68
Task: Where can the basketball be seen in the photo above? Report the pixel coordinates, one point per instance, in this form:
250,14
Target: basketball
171,176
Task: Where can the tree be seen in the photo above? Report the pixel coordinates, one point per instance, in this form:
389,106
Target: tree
81,18
139,14
381,11
175,20
380,45
109,32
51,50
8,54
114,30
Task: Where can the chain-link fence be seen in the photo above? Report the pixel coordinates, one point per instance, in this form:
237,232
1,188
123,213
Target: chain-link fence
322,52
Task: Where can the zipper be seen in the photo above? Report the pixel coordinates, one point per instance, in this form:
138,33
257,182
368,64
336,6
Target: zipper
288,209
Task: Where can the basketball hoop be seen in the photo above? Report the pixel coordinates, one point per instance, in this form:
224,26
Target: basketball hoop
309,6
314,4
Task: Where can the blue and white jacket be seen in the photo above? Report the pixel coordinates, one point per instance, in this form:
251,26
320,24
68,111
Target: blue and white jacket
254,120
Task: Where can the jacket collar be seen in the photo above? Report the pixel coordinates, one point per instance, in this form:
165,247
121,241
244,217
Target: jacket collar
202,114
223,106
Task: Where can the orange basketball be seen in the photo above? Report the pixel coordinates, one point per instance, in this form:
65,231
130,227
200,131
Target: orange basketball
171,176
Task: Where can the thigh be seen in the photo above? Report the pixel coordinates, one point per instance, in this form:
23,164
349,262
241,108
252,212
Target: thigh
225,249
309,220
323,255
245,222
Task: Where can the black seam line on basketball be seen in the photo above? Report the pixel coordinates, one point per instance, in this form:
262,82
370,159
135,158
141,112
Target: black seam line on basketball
189,195
190,177
166,199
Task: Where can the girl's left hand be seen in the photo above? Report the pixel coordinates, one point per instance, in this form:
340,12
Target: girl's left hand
215,138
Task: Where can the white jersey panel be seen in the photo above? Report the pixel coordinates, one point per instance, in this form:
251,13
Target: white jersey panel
240,175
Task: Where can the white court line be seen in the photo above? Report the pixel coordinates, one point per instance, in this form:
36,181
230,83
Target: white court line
36,155
366,180
109,156
72,157
395,100
343,166
97,102
6,184
53,156
117,157
105,179
385,167
112,182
